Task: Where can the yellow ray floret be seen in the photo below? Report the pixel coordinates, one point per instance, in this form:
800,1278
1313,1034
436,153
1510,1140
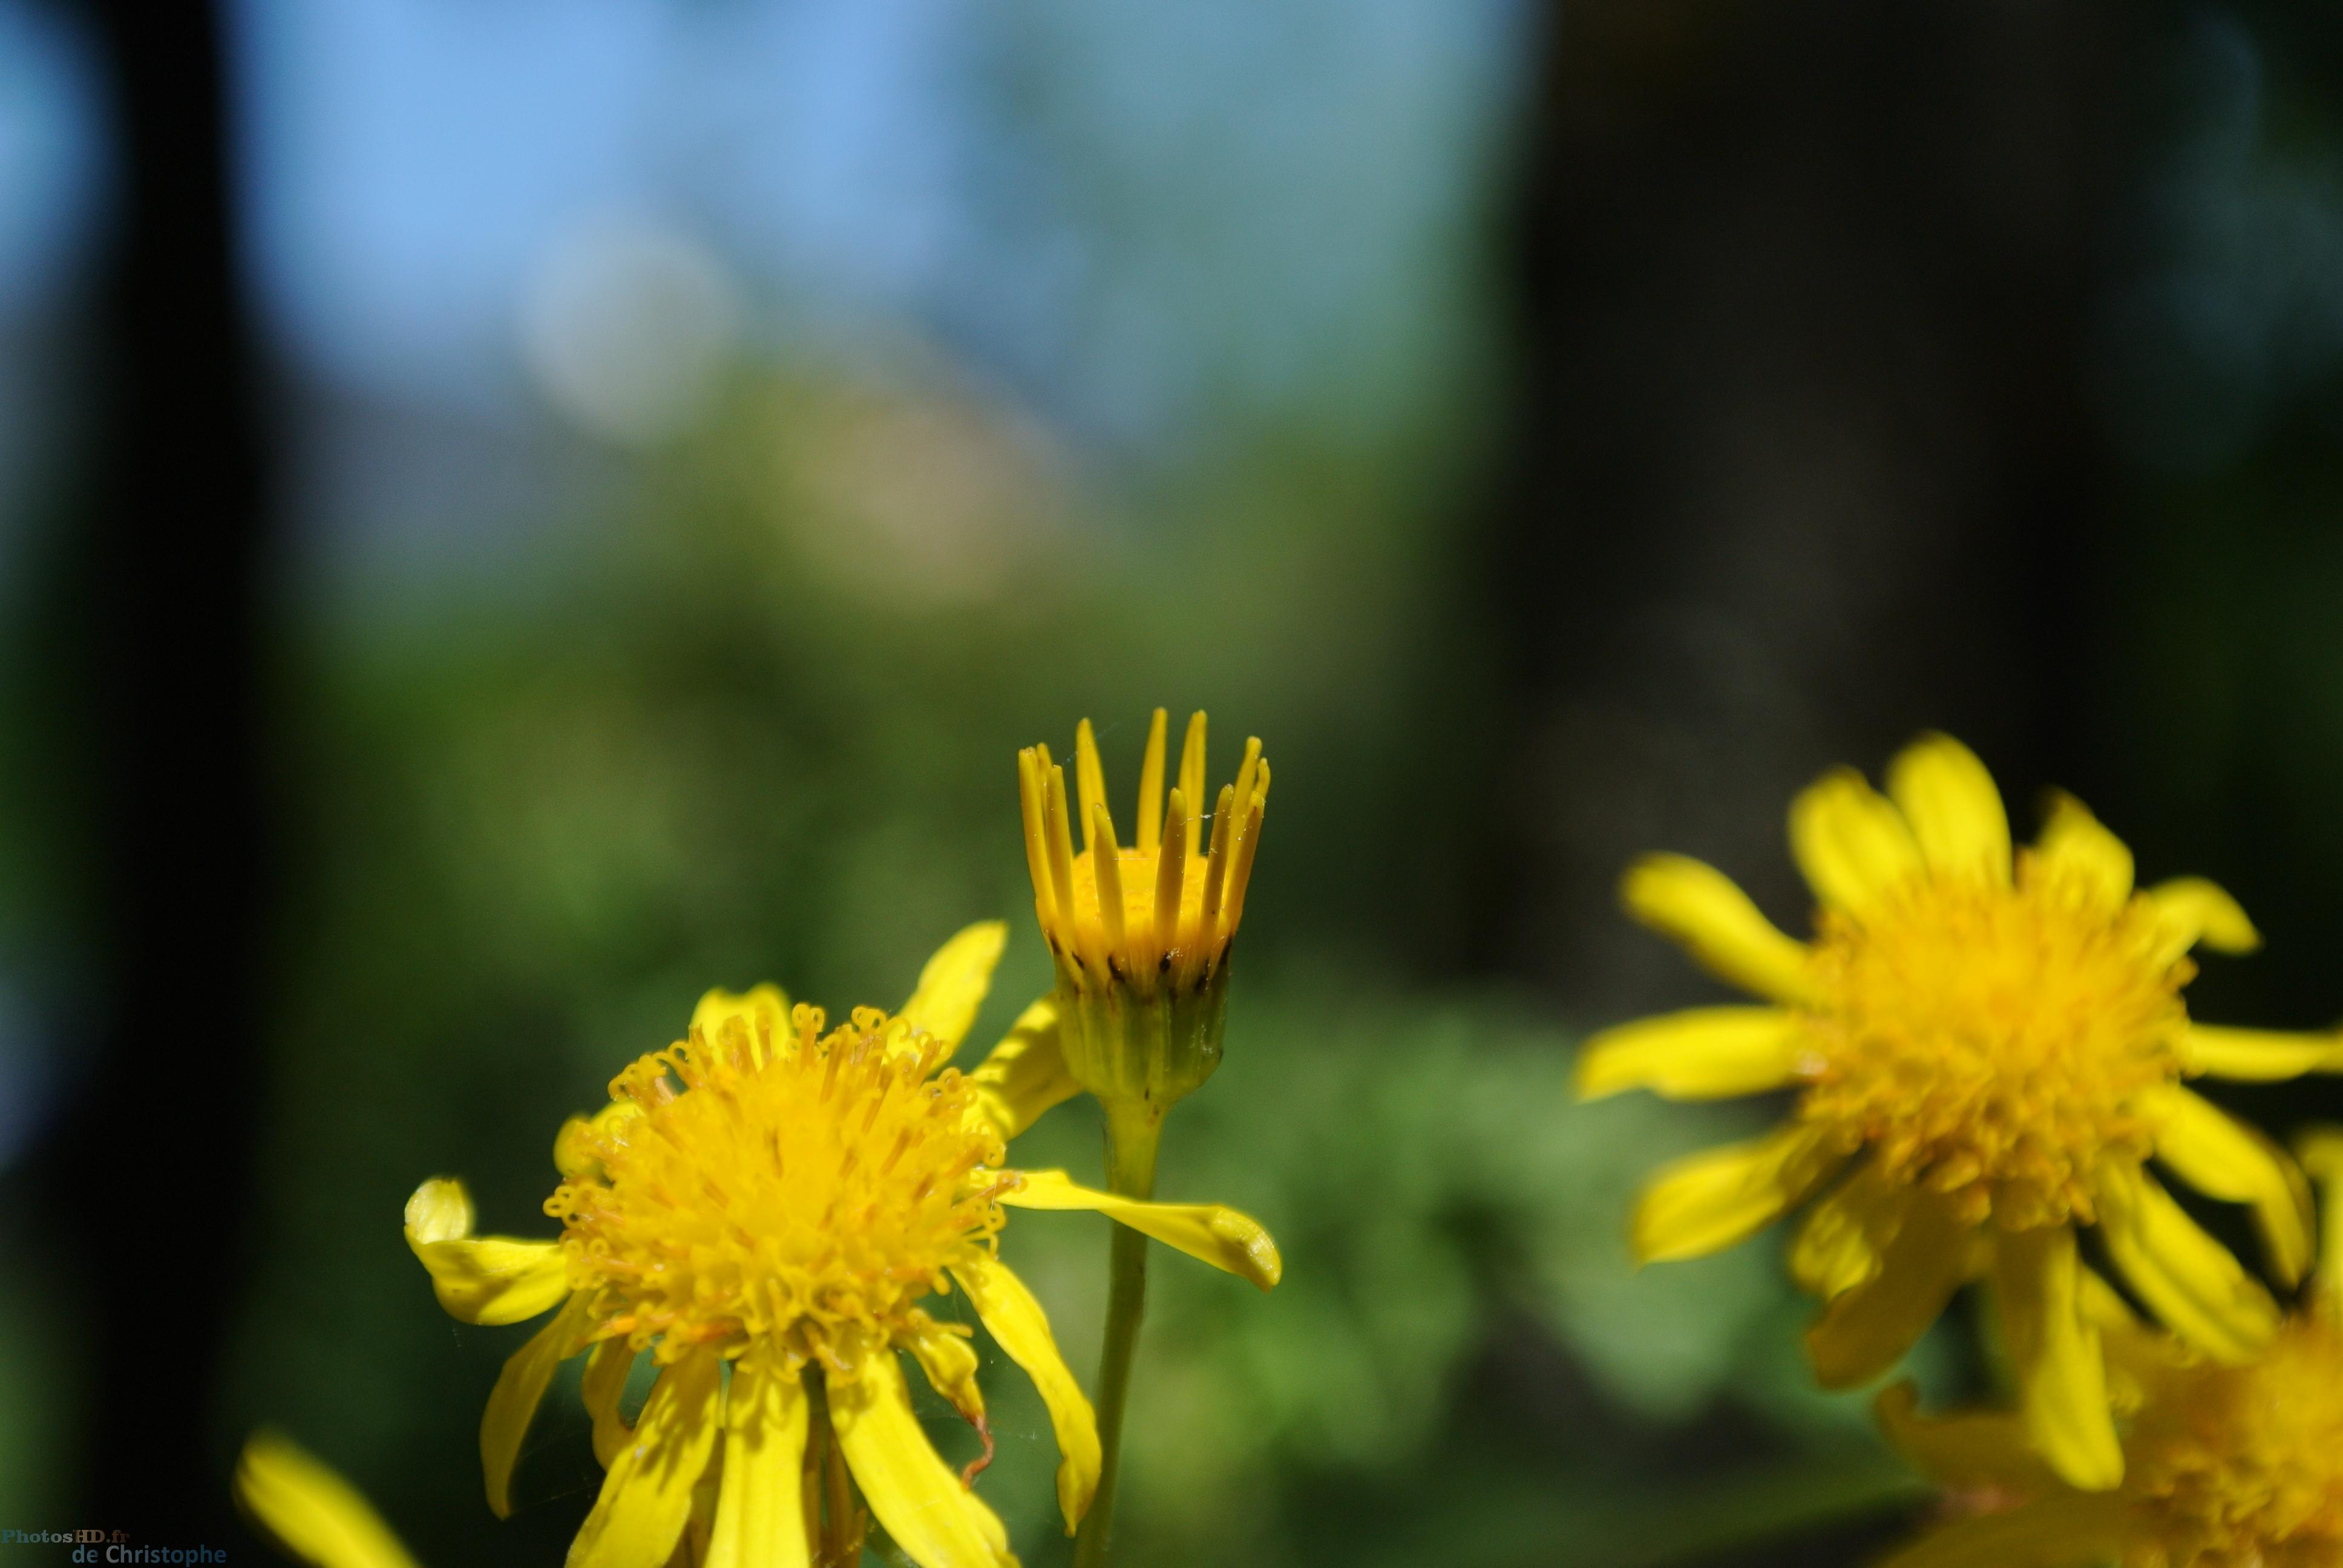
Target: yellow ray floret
2228,1463
310,1511
1987,1047
784,1199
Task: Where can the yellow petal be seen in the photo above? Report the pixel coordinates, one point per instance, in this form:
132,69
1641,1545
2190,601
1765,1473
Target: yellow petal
760,1519
1974,1449
1865,1330
1208,1231
2321,1152
1015,1318
520,1387
607,1371
313,1512
2259,1055
936,1521
2053,1349
949,1362
1852,845
953,986
757,1018
2076,845
2187,1278
2216,1153
1699,906
2194,910
646,1498
1705,1053
1708,1202
573,1152
2066,1529
480,1279
1843,1241
1025,1075
1955,811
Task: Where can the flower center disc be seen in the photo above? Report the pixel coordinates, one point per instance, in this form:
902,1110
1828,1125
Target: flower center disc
1987,1042
2243,1466
804,1190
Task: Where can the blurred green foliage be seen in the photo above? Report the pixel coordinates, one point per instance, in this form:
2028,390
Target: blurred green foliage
764,728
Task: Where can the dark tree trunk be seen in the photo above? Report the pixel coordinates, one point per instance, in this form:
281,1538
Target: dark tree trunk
1805,463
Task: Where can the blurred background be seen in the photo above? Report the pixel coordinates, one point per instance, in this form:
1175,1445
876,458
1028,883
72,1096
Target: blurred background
513,512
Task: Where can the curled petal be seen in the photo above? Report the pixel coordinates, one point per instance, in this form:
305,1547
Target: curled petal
1843,1239
1700,907
1206,1231
1866,1330
2074,844
756,1020
2192,910
1705,1053
953,986
485,1279
521,1389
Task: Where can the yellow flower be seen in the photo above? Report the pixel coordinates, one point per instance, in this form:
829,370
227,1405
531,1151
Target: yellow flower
2229,1465
312,1512
1986,1049
1142,936
779,1200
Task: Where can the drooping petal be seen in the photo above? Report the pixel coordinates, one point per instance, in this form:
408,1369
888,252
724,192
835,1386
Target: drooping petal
1703,1053
2220,1155
1015,1318
2192,910
760,1519
1707,1202
2075,845
2053,1349
2066,1529
949,1362
1850,842
1865,1330
645,1499
2259,1055
938,1522
1955,810
1843,1239
1971,1449
1026,1074
951,987
482,1279
1700,907
521,1388
606,1371
2321,1153
756,1019
313,1512
1207,1231
2187,1278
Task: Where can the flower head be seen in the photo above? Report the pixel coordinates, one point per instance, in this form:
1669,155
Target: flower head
784,1200
1986,1047
2229,1466
1142,935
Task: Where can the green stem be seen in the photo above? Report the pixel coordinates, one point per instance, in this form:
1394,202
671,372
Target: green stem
1133,1129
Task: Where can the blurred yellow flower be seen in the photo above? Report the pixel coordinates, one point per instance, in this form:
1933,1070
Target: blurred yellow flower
2230,1466
768,1196
1988,1048
312,1512
1142,936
